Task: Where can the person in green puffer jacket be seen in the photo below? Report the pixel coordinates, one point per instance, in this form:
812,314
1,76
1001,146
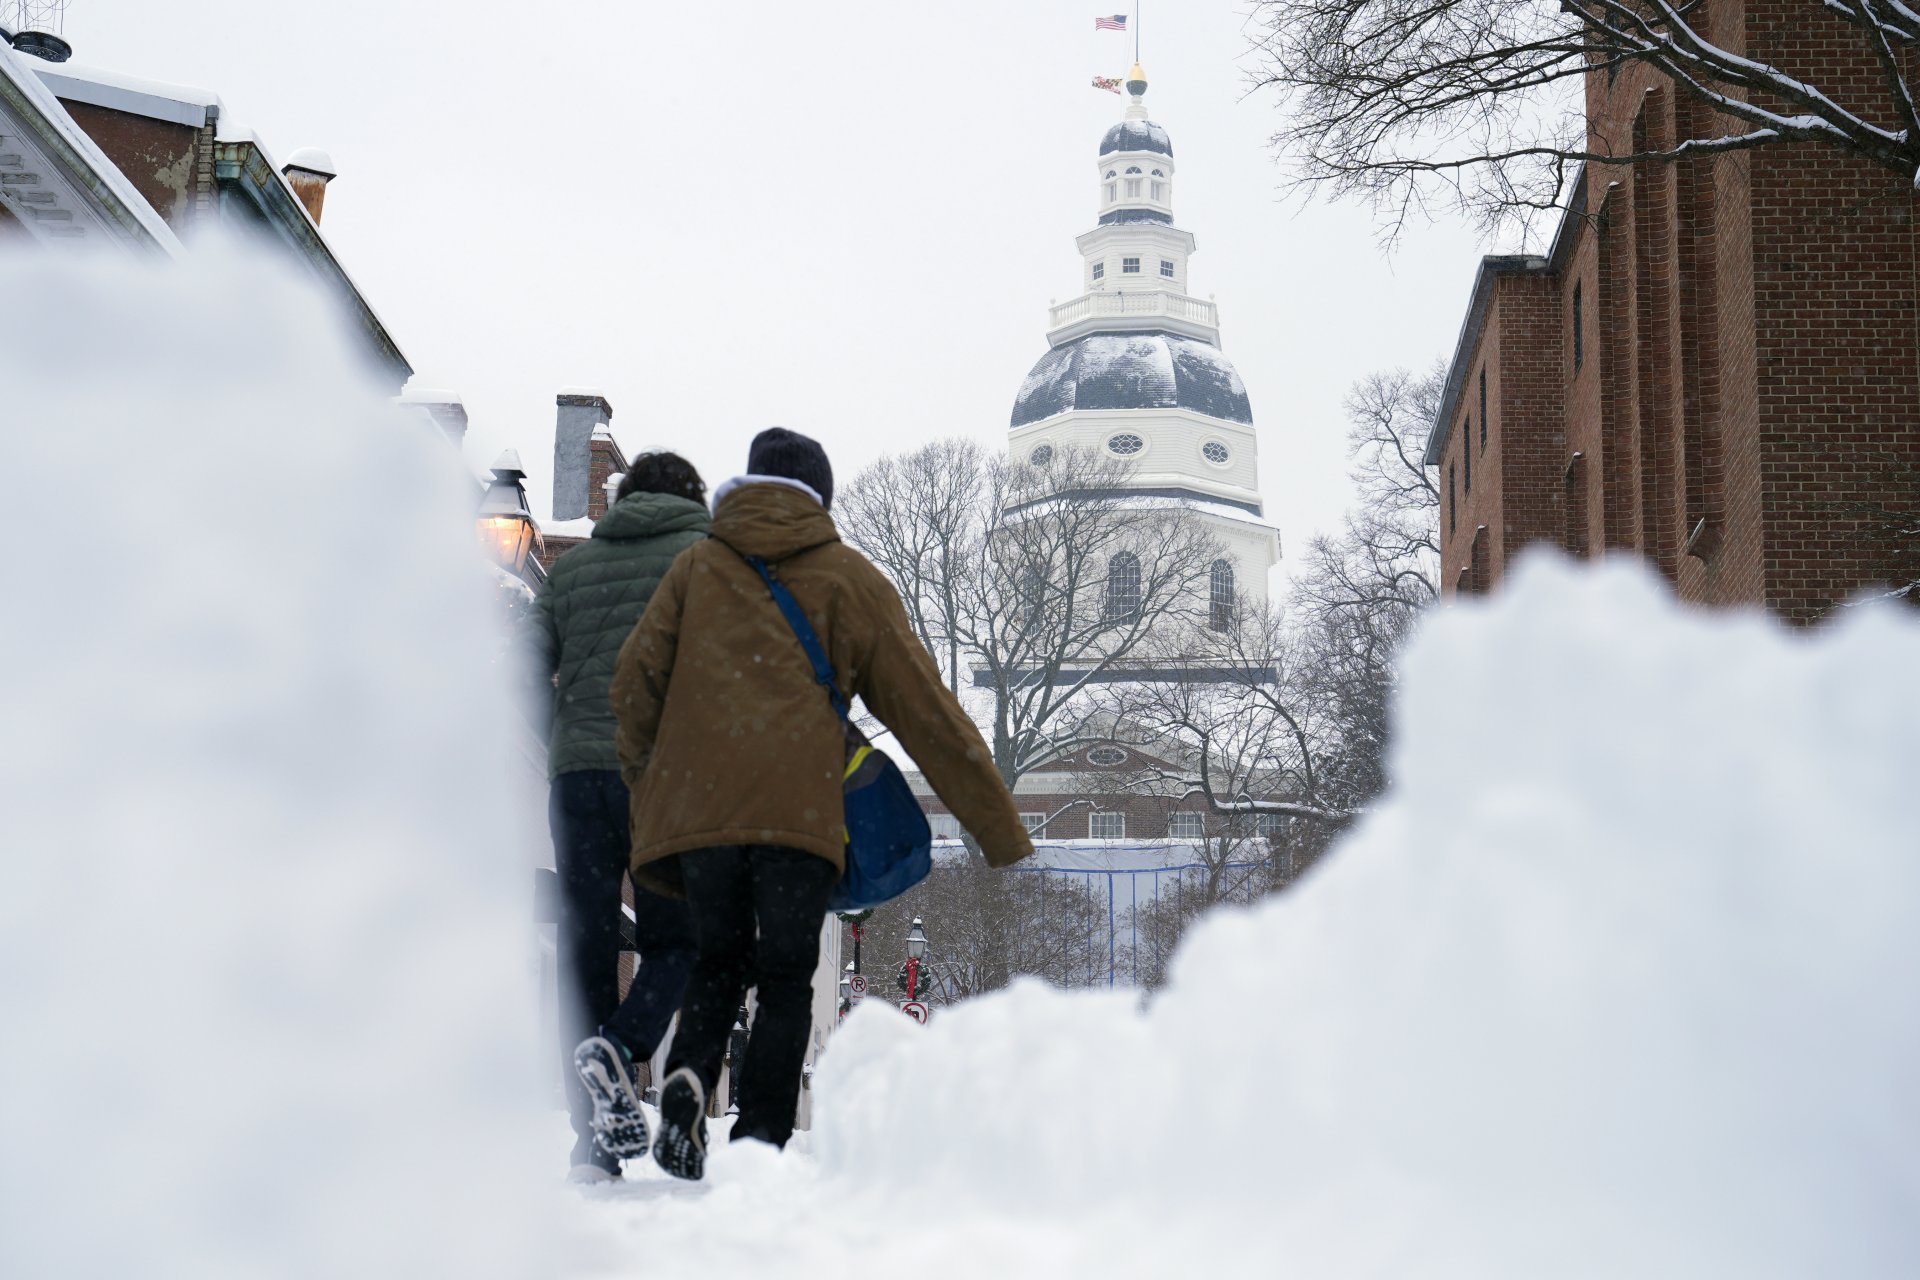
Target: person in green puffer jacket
593,597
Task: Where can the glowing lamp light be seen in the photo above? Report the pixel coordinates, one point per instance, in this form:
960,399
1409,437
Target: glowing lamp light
507,531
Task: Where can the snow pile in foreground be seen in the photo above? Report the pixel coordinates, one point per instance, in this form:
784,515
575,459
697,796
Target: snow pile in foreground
1624,980
262,938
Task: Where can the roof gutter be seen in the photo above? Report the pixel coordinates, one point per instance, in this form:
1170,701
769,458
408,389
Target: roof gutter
1492,267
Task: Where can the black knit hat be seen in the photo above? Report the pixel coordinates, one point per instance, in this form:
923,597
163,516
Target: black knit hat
780,452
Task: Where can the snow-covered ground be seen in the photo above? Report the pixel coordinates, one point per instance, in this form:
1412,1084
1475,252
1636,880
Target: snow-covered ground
1623,980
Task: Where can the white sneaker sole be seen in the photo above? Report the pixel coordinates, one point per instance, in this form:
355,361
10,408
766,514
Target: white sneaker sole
617,1119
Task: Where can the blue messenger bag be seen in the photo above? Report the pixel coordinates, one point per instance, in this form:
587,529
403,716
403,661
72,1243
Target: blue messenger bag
889,844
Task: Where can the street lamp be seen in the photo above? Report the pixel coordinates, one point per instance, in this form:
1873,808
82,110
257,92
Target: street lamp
916,950
506,526
846,990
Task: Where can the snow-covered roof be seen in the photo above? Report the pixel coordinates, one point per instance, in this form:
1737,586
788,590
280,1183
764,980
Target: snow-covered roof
154,99
1137,135
313,160
411,394
1133,371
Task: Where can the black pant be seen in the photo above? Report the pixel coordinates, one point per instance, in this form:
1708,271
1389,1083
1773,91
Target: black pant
587,810
757,910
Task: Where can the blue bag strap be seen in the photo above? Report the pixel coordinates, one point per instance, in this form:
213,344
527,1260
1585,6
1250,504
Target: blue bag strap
803,630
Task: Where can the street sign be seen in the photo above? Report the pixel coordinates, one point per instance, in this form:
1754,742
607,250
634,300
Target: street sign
917,1010
858,985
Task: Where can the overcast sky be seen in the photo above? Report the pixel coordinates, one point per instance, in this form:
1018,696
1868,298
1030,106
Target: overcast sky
844,217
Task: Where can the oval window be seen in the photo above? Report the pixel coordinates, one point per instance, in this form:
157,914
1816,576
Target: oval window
1215,452
1106,756
1042,456
1126,444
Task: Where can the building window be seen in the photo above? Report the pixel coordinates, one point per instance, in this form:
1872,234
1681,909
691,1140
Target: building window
1453,504
1035,823
1042,456
1133,183
1166,267
1107,826
1269,825
1157,190
1579,331
1126,444
1466,455
1099,271
1220,596
1186,826
1106,757
1215,452
1483,406
1123,588
945,826
1113,192
1130,266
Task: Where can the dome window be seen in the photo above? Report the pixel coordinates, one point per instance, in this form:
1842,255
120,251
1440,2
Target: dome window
1113,188
1129,266
1159,188
1106,757
1220,596
1166,268
1133,183
1216,453
1099,271
1126,444
1042,456
1123,588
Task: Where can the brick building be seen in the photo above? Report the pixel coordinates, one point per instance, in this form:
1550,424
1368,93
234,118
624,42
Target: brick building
1715,366
586,458
94,157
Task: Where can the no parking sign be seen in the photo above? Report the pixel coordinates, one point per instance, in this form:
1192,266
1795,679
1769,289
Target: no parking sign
857,985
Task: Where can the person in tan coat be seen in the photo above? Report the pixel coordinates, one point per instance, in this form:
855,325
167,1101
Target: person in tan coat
733,754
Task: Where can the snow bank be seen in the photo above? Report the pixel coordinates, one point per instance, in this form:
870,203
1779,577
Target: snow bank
1624,980
263,941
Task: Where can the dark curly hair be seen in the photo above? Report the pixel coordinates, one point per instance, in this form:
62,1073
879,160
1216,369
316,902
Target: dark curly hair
662,472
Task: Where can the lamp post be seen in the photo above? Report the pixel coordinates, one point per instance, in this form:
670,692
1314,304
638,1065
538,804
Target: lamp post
506,526
916,950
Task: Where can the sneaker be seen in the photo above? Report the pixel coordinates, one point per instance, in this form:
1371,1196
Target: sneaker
619,1126
593,1163
681,1148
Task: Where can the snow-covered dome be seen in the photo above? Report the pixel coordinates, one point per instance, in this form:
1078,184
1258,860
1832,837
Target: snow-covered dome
1137,135
1133,371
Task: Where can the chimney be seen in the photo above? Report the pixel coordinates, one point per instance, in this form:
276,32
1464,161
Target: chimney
308,171
607,466
580,411
446,409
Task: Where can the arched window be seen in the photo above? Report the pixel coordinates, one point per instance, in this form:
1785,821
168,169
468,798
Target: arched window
1133,182
1159,188
1220,596
1123,587
1113,188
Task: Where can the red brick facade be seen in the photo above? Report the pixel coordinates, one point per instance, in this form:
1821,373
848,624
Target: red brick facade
1717,366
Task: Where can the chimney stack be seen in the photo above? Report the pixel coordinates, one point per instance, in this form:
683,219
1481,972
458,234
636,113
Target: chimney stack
308,171
446,409
580,411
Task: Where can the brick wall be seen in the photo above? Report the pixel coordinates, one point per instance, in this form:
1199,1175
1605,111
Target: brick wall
1748,380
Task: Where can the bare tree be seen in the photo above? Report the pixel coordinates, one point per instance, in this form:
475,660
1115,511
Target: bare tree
1044,582
1477,103
914,515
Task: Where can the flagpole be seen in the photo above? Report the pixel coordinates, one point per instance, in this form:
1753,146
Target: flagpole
1136,32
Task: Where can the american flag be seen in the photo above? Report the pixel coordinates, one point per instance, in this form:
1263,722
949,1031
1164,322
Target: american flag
1118,22
1102,82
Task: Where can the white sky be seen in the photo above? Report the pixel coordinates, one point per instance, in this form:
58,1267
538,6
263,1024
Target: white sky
847,218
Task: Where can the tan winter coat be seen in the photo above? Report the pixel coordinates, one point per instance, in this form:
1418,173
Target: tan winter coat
725,737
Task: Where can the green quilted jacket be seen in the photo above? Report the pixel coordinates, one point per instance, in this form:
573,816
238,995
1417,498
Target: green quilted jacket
594,595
